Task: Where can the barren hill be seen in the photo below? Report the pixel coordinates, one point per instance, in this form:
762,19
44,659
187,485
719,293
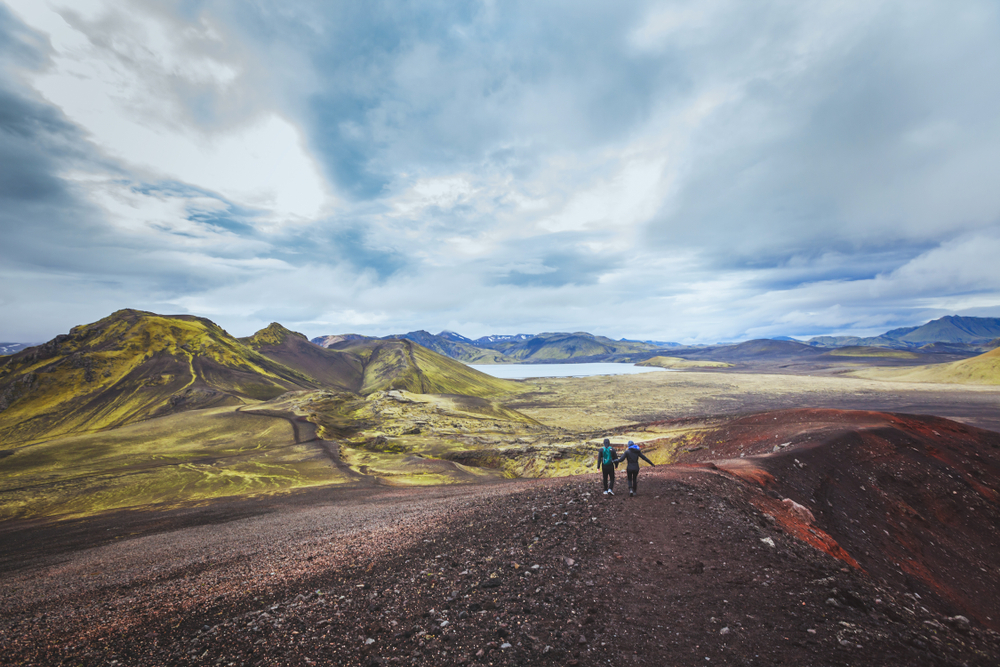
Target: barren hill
292,349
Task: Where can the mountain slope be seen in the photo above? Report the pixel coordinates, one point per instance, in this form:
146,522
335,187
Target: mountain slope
403,364
948,329
982,369
752,350
292,349
955,329
130,366
925,489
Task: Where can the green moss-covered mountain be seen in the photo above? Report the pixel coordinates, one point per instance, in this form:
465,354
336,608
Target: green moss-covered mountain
130,366
135,365
403,364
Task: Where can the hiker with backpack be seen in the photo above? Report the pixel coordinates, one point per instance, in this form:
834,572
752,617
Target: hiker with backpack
632,455
606,463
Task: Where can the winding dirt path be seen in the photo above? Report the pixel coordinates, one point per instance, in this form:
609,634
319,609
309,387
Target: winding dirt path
305,432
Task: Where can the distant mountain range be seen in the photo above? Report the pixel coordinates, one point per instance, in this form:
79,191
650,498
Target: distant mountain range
11,348
520,348
948,329
953,334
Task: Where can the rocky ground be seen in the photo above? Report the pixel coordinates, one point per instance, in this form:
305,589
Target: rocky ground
689,572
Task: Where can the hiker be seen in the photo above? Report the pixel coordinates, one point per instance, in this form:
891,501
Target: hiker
632,455
606,462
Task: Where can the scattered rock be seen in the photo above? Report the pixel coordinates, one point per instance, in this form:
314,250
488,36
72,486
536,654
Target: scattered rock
801,512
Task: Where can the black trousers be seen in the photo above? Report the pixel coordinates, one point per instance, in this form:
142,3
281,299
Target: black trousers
633,480
608,474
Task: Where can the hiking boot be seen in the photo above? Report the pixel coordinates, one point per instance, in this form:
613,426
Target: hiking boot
631,493
610,492
605,492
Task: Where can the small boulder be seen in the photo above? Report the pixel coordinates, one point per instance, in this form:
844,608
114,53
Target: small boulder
800,512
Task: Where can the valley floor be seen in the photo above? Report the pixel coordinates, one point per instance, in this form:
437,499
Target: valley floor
603,402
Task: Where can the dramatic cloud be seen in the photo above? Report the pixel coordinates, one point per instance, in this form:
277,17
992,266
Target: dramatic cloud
694,171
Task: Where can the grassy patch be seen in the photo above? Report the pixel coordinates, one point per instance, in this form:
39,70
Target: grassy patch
677,362
196,455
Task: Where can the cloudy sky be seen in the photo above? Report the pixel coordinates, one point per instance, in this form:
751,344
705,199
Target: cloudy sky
688,171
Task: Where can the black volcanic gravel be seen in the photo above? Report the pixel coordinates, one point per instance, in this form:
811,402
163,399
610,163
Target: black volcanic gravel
546,572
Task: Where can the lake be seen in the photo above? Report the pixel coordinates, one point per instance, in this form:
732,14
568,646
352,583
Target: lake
522,371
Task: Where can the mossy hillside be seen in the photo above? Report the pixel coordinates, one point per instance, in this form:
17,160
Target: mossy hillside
405,365
182,458
677,362
404,438
127,367
983,369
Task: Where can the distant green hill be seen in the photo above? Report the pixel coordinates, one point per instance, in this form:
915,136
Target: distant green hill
981,369
403,364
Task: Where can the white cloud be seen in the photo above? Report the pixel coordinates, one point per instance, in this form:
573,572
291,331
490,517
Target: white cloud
693,171
133,81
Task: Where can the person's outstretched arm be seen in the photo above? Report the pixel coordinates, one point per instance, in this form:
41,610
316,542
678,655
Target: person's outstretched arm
646,460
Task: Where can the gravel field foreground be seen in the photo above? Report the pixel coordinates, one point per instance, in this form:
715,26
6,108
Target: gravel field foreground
541,572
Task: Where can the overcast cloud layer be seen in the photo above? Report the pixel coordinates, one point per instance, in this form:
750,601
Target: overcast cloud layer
691,171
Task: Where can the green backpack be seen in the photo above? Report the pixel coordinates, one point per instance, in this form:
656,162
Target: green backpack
607,455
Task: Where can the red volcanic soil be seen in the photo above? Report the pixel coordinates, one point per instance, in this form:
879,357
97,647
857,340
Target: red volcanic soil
914,499
706,566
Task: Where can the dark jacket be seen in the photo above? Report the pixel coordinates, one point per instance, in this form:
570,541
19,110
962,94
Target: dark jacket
632,455
614,459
